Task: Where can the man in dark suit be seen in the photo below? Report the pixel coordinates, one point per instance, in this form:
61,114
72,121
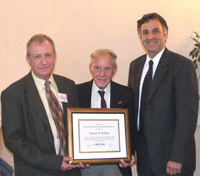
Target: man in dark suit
29,129
165,137
102,68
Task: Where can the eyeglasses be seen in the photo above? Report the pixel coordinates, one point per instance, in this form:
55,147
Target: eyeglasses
105,69
40,56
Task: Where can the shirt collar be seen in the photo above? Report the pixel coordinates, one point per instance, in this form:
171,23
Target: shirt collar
40,82
156,59
95,88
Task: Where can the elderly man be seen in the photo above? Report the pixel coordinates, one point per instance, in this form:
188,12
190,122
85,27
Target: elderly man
103,66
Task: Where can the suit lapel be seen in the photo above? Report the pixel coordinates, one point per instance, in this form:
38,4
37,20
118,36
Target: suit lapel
34,100
138,72
61,89
113,95
87,92
160,73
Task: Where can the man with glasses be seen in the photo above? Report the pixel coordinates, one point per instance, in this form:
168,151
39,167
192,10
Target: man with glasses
29,125
103,67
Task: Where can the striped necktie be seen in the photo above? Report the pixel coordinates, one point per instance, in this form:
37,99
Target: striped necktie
58,117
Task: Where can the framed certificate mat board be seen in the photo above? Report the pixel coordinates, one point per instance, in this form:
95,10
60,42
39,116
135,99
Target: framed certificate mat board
98,136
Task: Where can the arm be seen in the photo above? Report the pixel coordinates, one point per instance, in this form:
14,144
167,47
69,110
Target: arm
186,102
17,132
132,112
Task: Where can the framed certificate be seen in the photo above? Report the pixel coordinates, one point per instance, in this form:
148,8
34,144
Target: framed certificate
98,136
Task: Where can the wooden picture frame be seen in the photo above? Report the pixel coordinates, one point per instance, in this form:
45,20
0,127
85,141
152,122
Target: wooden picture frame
98,136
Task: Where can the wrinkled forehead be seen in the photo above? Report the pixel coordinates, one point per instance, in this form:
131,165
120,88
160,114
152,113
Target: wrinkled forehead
104,60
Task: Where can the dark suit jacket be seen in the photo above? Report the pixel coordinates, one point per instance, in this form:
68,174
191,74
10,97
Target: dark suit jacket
121,97
171,110
26,129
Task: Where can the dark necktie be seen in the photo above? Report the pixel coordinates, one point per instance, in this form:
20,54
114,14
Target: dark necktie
103,102
58,117
144,96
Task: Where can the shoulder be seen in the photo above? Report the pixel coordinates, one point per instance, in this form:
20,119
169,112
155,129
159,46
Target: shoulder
179,61
115,84
18,85
62,78
120,88
64,83
84,88
84,93
137,63
138,59
84,85
178,57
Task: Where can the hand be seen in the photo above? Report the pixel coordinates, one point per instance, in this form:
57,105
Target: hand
173,168
123,164
65,166
81,165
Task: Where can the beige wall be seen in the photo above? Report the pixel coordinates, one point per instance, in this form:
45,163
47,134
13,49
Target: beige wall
80,26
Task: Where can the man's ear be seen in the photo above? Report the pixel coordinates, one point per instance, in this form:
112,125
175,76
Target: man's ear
55,55
90,67
28,59
114,70
166,35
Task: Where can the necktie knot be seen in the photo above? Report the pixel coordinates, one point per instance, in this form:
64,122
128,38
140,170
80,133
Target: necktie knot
47,85
101,93
150,64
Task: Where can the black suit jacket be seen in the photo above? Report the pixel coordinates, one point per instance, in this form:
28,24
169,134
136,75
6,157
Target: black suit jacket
171,110
26,129
121,97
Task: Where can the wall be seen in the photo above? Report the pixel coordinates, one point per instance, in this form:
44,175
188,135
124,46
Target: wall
80,26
